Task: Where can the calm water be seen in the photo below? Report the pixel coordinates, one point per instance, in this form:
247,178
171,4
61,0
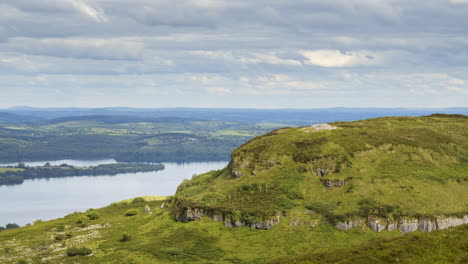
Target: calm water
47,199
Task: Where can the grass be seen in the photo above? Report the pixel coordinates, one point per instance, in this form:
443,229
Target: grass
157,238
416,165
145,198
445,247
394,167
2,170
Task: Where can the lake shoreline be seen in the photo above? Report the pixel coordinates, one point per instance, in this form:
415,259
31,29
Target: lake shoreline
47,199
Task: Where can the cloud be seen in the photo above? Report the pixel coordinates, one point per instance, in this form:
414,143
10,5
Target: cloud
246,57
458,2
336,58
342,52
85,48
96,14
218,90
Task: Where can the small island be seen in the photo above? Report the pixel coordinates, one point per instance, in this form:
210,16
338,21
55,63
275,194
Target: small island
12,175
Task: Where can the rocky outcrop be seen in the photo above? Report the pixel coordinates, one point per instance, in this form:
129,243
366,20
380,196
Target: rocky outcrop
265,224
446,222
376,224
192,214
318,127
236,173
321,172
392,226
427,225
406,225
347,225
236,167
335,183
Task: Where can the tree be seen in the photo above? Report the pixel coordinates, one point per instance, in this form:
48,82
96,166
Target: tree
11,226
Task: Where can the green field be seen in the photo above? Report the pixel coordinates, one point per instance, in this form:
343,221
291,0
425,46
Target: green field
2,170
125,139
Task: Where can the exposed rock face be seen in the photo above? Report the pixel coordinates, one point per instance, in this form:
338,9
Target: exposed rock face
376,224
321,172
335,183
407,225
392,226
192,214
349,224
235,167
446,222
318,127
236,174
426,225
266,224
217,217
147,208
164,206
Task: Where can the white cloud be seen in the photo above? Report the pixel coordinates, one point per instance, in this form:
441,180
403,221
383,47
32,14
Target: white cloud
458,1
246,57
218,90
90,48
96,14
336,58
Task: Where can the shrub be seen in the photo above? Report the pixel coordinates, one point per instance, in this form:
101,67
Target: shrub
82,221
125,238
131,212
321,208
60,228
60,237
93,215
11,226
82,251
138,200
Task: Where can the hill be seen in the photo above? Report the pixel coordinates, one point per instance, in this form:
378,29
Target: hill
387,168
350,192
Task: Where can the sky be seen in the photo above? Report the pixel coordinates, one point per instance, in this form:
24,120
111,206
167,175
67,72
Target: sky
234,53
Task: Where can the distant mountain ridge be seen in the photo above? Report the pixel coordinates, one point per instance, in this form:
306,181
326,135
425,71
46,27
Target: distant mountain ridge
287,116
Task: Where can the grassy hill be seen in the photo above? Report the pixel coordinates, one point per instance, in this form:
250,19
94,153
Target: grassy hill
387,167
293,186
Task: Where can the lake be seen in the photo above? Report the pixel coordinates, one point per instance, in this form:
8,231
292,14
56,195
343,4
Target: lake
47,199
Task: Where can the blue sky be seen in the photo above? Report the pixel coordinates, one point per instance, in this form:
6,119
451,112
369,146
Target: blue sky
246,54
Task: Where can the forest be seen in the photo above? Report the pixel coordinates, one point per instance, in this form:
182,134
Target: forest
12,175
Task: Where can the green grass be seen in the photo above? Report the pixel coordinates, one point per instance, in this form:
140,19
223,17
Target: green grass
158,238
395,167
416,165
449,246
2,170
